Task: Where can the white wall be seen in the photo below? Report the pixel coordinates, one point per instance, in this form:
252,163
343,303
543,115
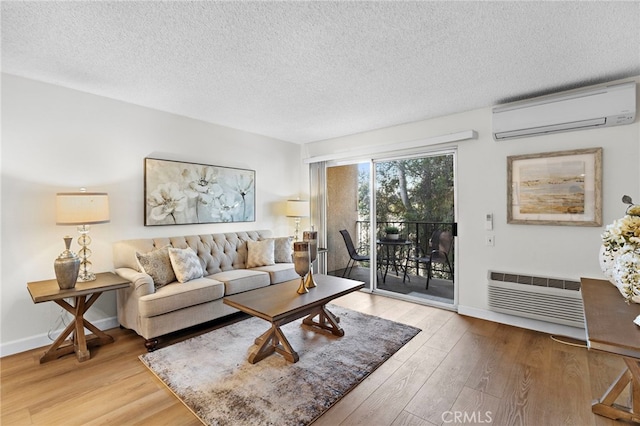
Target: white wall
568,252
55,139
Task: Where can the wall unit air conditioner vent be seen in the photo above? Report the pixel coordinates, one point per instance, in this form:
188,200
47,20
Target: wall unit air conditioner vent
612,105
542,298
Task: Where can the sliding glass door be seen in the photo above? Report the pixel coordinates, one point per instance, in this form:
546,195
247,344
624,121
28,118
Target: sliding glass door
414,226
390,222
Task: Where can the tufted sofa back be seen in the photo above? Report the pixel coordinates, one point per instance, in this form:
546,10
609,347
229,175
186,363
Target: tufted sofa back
217,252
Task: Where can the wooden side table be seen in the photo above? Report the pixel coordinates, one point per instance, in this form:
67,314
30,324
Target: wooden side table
610,328
85,294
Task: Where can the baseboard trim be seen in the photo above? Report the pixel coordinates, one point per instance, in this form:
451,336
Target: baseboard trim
42,340
530,324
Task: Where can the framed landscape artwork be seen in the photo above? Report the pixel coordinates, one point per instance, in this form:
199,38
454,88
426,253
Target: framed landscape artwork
555,188
179,193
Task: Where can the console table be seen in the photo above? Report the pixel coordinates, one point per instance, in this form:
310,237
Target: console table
84,294
610,328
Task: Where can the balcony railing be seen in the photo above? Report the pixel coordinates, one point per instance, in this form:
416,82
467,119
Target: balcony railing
419,233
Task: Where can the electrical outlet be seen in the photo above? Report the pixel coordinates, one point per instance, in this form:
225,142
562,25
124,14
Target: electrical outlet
490,240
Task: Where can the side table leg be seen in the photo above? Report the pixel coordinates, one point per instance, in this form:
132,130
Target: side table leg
55,351
99,337
60,346
606,405
634,368
80,341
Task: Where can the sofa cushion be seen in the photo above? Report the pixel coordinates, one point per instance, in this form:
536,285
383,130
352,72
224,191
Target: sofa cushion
260,253
186,264
157,264
239,280
280,272
282,250
176,296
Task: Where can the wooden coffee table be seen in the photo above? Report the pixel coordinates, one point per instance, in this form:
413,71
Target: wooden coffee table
280,304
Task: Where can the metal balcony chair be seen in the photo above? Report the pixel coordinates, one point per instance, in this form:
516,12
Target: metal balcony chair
440,245
354,256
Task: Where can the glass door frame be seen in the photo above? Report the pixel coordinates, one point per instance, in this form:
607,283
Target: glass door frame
391,156
373,276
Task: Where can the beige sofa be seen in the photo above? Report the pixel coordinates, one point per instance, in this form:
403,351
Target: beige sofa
157,302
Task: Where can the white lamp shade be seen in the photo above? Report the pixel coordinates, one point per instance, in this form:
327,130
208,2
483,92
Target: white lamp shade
297,208
82,208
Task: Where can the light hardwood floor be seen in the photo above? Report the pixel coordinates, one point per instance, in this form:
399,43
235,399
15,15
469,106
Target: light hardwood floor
457,368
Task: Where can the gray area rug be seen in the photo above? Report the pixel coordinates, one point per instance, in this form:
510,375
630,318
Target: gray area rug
211,375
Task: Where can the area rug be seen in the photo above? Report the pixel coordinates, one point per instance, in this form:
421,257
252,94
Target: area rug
210,373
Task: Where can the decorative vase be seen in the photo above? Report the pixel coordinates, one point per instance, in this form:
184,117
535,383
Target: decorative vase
301,263
312,238
67,267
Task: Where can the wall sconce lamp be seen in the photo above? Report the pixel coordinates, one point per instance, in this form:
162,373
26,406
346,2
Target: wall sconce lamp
82,209
297,209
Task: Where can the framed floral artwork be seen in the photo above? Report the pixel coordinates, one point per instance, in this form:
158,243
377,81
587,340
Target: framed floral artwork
555,188
179,193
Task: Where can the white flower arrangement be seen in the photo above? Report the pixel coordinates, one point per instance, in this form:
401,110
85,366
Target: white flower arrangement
620,257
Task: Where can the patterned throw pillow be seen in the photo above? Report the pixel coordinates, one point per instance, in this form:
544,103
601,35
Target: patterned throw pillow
186,264
157,264
260,253
282,250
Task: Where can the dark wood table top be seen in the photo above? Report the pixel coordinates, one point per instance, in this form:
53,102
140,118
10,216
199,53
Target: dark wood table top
43,291
279,301
609,319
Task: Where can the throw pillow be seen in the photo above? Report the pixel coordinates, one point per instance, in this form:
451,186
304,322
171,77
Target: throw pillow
186,264
260,253
282,250
157,264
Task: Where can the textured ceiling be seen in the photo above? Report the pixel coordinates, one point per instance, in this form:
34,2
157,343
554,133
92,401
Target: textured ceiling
308,71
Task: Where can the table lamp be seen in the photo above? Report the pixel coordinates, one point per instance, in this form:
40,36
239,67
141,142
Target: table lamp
82,209
297,209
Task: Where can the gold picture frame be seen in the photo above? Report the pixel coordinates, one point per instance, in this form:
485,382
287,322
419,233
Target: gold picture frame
555,188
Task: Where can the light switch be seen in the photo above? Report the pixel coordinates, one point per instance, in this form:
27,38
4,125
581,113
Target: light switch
488,222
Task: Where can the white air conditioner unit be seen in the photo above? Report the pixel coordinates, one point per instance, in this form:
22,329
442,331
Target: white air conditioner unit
602,107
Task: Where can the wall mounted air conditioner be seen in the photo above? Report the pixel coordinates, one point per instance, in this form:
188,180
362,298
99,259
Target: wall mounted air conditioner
601,107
